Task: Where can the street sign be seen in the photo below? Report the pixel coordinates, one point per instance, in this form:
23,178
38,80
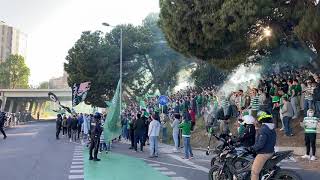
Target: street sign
163,100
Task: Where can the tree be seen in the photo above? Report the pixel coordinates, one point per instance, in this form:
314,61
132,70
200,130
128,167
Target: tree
14,73
229,31
162,62
96,59
44,85
206,75
90,60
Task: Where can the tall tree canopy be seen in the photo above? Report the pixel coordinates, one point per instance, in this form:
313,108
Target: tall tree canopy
228,30
149,64
14,73
206,75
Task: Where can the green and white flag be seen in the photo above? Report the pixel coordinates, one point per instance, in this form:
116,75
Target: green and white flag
112,125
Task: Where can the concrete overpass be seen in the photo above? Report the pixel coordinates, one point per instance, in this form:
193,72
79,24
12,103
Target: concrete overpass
32,100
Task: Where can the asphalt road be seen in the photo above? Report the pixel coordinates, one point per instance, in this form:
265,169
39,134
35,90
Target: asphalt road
31,152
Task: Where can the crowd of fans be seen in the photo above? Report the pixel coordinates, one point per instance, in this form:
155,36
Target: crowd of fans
287,96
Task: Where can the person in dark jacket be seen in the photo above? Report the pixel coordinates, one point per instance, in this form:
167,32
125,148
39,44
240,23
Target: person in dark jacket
3,119
139,128
248,137
95,133
316,99
74,128
80,122
69,120
58,125
264,145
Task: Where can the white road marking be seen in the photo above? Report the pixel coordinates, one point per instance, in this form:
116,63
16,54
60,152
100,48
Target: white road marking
77,159
77,162
76,176
170,164
168,173
76,171
289,167
161,168
77,167
154,164
200,168
178,178
77,156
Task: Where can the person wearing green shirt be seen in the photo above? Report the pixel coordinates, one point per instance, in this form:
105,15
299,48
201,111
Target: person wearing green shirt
276,109
186,134
310,124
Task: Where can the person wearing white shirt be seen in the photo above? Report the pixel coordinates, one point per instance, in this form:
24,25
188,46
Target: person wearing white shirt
175,132
153,133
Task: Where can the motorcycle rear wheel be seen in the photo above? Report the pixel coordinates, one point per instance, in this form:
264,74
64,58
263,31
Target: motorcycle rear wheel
285,174
214,174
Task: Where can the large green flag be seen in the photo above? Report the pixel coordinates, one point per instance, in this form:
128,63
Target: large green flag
112,125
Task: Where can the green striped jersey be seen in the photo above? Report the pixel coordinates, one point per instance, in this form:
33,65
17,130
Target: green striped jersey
254,103
310,124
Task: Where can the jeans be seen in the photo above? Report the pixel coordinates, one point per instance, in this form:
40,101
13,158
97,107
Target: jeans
308,104
176,140
125,132
287,125
187,148
103,146
294,103
317,108
74,135
153,145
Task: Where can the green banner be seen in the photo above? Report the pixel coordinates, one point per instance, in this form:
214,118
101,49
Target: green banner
112,125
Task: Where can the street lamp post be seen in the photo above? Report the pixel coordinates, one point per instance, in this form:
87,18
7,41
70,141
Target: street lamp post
106,24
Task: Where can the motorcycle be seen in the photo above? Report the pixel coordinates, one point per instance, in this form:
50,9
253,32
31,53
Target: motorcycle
235,163
224,141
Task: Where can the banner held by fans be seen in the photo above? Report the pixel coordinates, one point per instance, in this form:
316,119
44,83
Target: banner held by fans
112,125
79,92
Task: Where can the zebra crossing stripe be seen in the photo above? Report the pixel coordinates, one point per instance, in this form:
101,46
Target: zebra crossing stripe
77,167
77,159
76,176
168,173
76,171
178,178
77,162
161,168
153,165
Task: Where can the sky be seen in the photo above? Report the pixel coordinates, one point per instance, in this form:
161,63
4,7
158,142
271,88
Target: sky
53,26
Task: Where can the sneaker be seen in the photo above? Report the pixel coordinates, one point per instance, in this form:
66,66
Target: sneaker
90,158
305,156
96,159
175,150
281,129
99,152
313,158
70,140
5,137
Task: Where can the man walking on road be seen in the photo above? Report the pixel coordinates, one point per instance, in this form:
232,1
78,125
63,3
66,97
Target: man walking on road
58,125
3,118
154,130
139,129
